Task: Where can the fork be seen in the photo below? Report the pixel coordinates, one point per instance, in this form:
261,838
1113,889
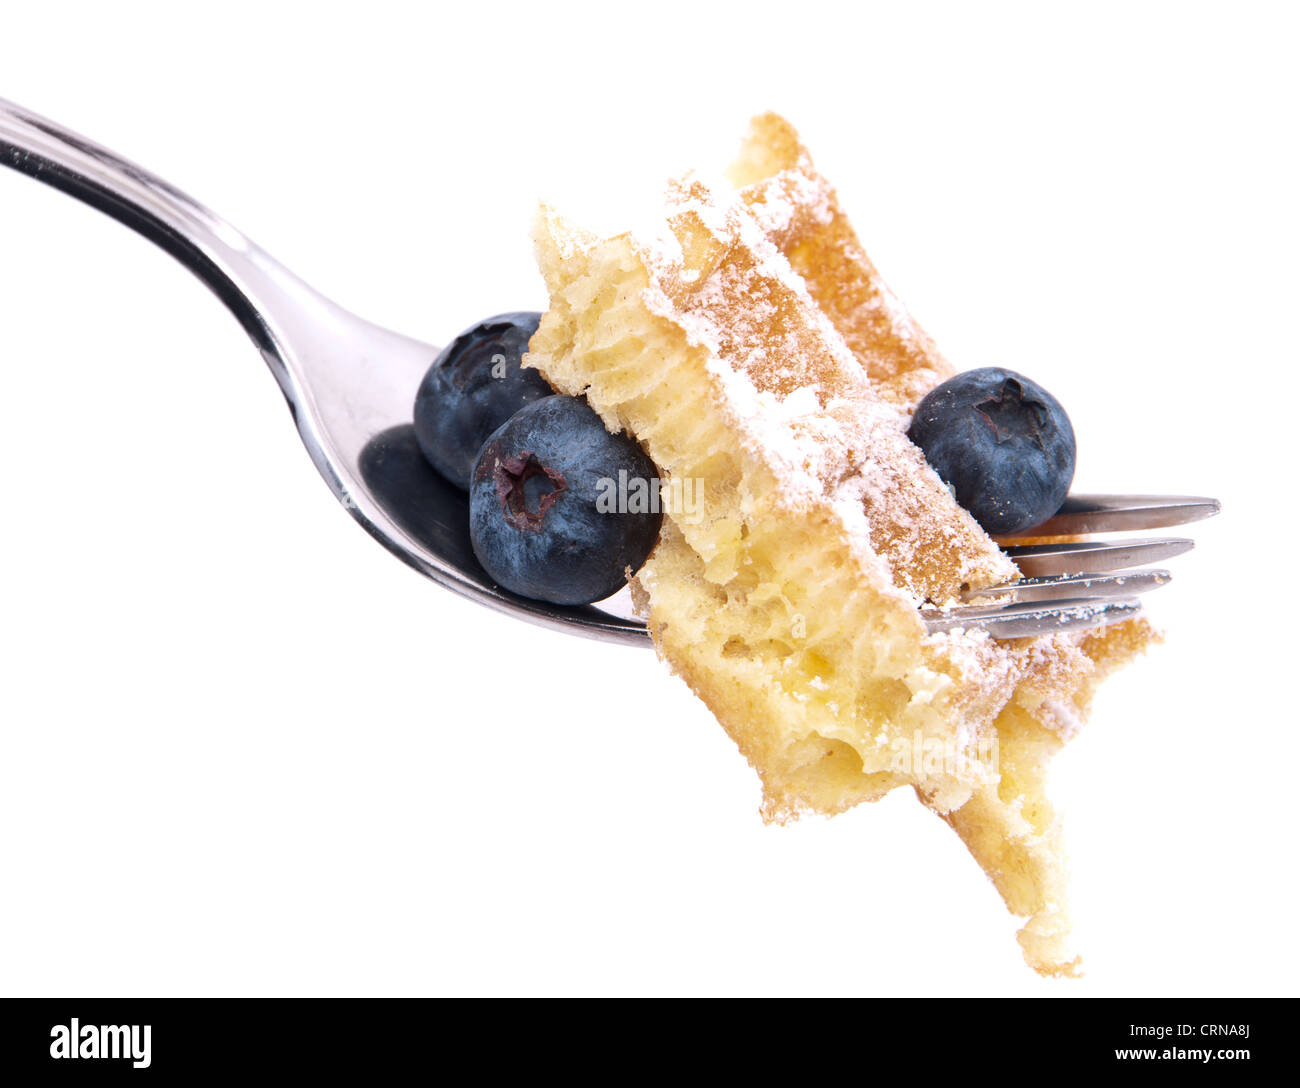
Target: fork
350,386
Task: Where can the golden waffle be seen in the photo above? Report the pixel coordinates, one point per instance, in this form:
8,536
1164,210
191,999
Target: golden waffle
758,357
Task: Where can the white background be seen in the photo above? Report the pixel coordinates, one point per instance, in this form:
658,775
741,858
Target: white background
244,751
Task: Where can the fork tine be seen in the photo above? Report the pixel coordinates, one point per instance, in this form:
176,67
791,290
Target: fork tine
1094,556
1122,583
1030,619
1081,514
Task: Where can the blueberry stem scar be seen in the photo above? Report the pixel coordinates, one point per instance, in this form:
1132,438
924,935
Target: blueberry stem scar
1008,418
510,475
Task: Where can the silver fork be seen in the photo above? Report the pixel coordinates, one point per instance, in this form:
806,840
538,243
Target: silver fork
350,387
1071,584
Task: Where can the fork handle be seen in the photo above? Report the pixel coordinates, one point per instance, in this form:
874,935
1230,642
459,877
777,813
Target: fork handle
267,300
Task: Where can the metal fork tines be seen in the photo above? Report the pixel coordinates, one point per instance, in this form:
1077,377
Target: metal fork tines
1111,586
1081,514
1094,556
1078,584
1028,619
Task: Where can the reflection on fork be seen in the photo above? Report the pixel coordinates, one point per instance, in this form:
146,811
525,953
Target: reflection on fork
1069,584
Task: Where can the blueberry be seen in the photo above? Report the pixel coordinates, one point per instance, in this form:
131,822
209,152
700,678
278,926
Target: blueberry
473,387
558,506
1001,442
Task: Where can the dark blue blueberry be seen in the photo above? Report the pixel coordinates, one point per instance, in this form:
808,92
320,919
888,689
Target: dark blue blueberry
1001,442
558,506
473,387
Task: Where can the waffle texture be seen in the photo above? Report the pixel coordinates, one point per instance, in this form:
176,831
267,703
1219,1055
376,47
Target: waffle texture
755,352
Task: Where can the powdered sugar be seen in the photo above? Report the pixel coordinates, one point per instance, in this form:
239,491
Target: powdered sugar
797,393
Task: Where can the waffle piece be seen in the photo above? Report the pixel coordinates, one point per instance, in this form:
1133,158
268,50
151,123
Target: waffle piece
756,354
802,216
